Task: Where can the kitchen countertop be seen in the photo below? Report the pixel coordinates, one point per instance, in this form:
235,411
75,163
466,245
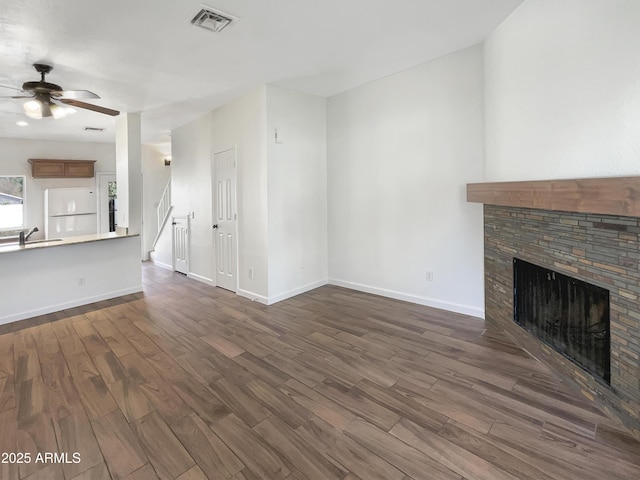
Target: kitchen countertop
75,240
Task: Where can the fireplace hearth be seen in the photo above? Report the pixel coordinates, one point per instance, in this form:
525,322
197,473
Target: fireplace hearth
587,229
568,314
603,250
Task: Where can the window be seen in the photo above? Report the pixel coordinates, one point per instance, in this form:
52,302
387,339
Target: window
12,202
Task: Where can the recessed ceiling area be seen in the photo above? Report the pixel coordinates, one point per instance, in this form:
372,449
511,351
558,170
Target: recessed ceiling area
146,56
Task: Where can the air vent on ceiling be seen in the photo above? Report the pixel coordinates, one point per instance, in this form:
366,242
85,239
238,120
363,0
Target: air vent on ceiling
213,20
93,129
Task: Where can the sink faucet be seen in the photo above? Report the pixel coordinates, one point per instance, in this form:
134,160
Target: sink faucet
23,239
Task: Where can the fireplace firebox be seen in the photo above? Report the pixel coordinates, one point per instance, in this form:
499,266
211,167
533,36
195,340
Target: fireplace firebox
569,315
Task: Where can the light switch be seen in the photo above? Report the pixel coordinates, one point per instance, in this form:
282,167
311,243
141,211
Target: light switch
278,135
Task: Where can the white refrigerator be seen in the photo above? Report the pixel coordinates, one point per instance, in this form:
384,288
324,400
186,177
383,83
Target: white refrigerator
69,212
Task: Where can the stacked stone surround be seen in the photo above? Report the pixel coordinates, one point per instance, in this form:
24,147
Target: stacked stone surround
600,249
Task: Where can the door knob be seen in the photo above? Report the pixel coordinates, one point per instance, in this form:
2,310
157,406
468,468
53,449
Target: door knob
215,226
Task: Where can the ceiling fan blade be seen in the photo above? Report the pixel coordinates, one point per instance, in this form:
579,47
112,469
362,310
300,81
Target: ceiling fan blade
88,106
74,94
19,93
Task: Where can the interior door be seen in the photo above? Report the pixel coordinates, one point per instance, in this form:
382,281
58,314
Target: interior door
181,244
224,219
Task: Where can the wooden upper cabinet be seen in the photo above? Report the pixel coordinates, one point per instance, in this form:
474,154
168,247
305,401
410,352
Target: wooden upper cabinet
46,168
83,169
50,168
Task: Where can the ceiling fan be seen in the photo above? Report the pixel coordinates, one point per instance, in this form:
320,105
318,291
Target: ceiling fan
49,100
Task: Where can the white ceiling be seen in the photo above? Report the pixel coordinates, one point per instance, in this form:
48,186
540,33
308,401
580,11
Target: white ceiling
145,56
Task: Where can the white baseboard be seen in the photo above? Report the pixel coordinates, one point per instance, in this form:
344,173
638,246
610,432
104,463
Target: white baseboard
202,279
253,296
71,304
296,291
407,297
163,265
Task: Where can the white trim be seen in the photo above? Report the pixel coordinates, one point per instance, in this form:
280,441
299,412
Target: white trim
254,297
200,278
71,304
296,291
162,265
17,228
407,297
164,207
166,219
99,191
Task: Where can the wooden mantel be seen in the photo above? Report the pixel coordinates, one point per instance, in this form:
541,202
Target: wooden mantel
610,196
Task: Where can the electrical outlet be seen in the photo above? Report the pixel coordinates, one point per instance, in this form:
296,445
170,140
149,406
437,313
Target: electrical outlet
251,274
429,276
82,281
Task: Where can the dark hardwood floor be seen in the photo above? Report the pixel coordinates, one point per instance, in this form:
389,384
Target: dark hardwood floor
192,382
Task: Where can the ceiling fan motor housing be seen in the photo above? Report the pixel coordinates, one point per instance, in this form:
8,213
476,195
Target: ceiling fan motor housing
41,87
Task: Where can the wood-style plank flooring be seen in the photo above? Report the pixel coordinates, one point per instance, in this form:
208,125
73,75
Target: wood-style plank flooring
192,382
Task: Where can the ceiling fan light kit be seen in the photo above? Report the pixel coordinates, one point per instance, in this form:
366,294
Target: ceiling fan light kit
50,100
42,107
33,109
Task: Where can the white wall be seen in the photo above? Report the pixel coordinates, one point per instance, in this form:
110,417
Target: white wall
191,191
563,91
297,192
242,124
44,280
281,190
129,172
162,256
400,153
155,176
14,155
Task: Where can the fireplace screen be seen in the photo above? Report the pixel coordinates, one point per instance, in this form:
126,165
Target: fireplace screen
567,314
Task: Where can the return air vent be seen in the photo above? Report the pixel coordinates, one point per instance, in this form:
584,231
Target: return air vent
93,129
212,20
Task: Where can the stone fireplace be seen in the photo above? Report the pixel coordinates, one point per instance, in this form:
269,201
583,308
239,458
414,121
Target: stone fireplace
531,221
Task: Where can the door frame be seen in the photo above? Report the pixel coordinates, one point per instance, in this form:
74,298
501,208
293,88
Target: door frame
99,177
214,210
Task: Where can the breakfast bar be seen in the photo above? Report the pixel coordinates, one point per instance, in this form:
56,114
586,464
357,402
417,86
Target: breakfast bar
46,276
